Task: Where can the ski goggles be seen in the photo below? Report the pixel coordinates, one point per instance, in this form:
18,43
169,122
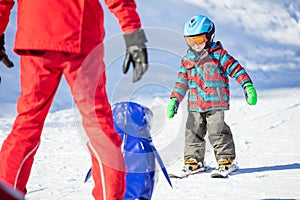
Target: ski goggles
195,40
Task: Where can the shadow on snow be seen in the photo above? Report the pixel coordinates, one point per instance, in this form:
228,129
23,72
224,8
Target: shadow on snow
268,168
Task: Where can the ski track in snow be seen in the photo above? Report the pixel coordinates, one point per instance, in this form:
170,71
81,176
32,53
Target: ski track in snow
267,147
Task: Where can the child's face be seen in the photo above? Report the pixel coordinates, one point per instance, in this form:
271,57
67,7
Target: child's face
199,47
197,43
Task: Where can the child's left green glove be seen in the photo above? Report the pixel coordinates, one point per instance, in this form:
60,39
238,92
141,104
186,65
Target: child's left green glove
250,93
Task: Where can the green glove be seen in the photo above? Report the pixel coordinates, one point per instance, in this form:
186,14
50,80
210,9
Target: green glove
250,93
172,108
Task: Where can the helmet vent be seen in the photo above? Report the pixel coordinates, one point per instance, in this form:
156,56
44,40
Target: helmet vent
192,22
209,28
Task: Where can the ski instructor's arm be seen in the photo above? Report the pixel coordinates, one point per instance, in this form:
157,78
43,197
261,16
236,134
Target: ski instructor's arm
134,36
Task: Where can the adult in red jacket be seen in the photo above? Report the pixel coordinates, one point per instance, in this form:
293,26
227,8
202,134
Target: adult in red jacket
63,37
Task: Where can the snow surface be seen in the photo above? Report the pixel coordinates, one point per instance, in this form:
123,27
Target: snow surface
263,35
267,144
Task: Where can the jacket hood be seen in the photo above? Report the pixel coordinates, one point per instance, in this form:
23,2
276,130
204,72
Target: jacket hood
215,47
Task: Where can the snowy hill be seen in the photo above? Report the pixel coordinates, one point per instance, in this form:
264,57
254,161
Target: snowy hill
267,153
263,35
266,138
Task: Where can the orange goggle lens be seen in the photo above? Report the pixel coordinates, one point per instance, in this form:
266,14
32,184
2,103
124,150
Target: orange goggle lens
195,40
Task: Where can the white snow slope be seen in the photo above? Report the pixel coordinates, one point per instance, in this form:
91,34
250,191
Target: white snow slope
263,35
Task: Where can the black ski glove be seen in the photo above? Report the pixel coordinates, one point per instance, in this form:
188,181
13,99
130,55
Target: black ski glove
3,57
136,53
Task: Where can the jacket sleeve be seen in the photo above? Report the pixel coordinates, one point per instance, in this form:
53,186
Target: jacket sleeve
181,85
125,12
5,7
233,68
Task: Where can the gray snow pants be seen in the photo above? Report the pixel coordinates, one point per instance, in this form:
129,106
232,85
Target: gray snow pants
219,135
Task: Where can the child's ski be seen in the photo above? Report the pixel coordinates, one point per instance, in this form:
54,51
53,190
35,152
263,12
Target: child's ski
223,174
183,174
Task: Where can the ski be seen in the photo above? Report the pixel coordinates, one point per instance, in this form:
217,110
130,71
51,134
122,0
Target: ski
223,174
183,174
8,193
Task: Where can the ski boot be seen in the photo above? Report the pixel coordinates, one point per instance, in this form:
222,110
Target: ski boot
225,167
192,165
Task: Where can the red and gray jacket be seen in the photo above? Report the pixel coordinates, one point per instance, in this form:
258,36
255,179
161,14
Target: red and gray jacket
205,76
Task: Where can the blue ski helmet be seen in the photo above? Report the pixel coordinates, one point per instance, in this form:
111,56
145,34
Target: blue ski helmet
198,25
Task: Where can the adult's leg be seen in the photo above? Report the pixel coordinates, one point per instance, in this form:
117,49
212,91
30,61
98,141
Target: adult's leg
88,86
39,82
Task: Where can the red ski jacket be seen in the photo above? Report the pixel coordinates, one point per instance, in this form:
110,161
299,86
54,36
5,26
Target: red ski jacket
65,25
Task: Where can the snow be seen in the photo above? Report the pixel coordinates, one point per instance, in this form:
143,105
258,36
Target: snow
266,138
263,35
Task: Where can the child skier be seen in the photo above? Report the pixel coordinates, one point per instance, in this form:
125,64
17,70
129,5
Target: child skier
204,73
